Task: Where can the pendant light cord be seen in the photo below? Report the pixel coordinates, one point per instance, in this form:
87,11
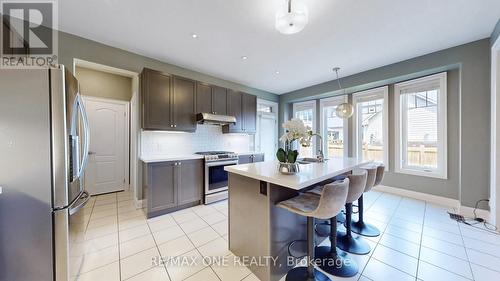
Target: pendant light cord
336,69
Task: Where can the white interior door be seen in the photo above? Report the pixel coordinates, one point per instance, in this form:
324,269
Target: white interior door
267,135
107,167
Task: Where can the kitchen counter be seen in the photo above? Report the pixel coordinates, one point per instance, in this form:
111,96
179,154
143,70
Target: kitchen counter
257,228
309,174
167,158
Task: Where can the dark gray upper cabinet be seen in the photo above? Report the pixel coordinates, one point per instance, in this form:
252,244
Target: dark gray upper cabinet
190,184
219,100
168,102
203,98
244,108
234,101
183,104
156,94
249,109
211,99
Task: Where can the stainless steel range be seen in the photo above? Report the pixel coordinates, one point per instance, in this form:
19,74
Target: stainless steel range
215,176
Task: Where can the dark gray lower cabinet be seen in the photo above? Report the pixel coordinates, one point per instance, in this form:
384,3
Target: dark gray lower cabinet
251,158
258,157
173,185
190,183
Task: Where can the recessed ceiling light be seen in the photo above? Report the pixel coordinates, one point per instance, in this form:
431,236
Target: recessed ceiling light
277,72
194,35
244,57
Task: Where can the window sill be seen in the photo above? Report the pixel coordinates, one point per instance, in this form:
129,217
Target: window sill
421,173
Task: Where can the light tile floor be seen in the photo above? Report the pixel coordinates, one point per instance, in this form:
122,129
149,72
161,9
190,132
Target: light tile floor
418,242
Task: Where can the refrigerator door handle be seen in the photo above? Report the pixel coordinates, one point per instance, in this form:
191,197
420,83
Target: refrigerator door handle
86,136
79,204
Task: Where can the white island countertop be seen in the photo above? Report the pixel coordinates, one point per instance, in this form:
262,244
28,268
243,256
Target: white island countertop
310,174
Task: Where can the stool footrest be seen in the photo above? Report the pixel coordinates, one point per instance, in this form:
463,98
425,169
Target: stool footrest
290,249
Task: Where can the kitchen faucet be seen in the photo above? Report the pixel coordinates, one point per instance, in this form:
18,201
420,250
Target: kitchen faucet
320,156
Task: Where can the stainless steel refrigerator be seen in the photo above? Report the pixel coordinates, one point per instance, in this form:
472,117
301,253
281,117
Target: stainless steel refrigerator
44,141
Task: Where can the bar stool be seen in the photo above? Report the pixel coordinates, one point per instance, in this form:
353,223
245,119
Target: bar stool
345,240
347,267
327,205
375,176
323,228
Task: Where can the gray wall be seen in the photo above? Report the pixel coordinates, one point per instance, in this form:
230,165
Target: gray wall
468,116
72,46
103,84
496,33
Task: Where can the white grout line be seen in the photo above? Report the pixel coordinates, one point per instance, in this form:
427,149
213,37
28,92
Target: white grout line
466,254
378,242
118,237
421,239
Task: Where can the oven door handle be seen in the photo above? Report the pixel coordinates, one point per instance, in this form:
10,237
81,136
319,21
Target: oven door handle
221,163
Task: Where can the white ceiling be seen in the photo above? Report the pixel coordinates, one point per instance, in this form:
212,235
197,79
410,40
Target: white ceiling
356,35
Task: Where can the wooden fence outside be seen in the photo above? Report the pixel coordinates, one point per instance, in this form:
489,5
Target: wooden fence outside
417,156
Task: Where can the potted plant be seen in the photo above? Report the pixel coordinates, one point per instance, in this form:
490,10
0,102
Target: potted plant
295,130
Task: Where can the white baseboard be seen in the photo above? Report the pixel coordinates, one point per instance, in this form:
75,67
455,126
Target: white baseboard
469,212
453,204
138,203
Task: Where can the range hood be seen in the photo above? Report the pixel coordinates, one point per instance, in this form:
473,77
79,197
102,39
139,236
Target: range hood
215,119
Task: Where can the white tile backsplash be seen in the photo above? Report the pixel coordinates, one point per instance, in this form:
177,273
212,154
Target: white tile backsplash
206,138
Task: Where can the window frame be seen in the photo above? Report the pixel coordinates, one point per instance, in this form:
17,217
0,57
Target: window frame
327,102
364,96
427,82
297,106
271,115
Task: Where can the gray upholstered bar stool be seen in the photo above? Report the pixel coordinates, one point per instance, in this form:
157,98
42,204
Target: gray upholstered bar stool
344,266
345,240
327,205
375,176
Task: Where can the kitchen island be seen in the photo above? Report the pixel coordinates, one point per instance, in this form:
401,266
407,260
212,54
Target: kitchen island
259,232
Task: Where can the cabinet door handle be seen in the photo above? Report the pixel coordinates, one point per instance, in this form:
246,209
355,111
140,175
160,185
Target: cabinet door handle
175,126
171,126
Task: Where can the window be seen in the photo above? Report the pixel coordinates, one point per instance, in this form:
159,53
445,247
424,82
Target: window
306,111
333,129
420,111
371,119
261,107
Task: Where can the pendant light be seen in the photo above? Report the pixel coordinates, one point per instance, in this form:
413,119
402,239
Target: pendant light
292,17
344,110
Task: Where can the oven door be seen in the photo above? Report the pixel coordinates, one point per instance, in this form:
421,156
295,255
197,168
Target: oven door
215,176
